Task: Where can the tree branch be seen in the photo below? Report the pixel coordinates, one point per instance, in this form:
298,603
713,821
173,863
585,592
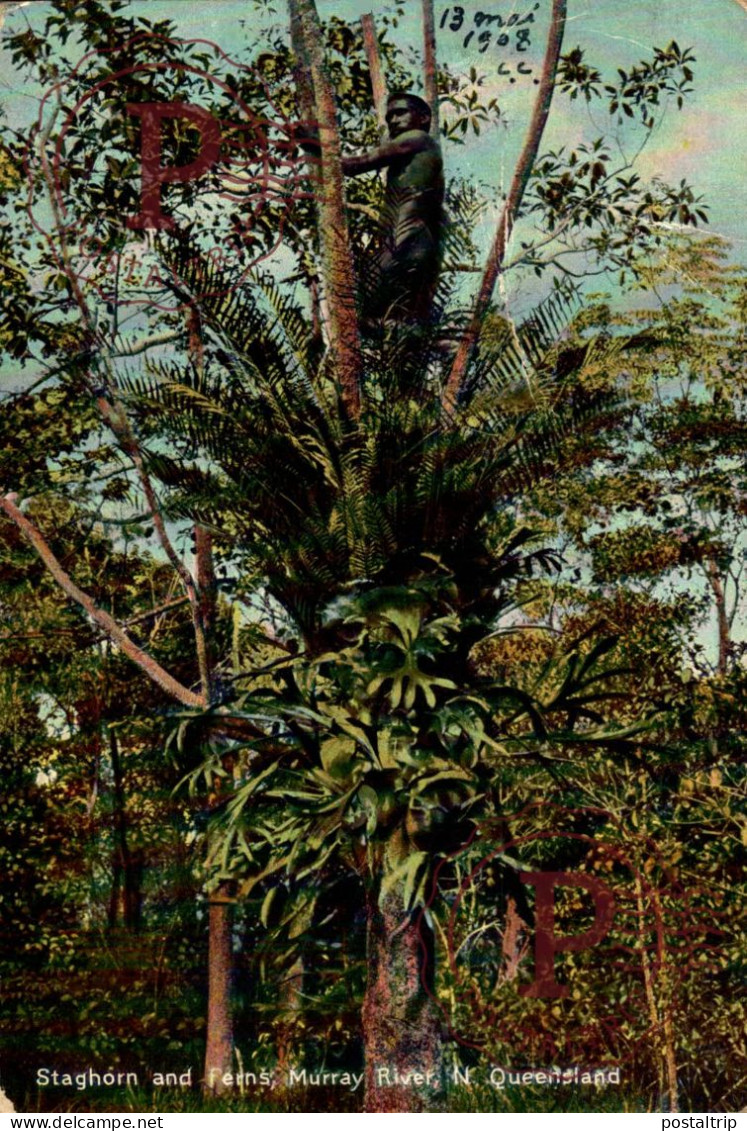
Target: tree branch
378,85
157,612
140,347
516,192
113,630
208,592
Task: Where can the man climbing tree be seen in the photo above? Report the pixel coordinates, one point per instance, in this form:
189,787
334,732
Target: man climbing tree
401,285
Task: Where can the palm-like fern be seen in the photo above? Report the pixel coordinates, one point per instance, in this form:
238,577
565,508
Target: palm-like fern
263,452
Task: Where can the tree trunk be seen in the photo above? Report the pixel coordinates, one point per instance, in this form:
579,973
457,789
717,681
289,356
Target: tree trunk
378,85
429,62
207,600
219,1047
401,1031
219,1051
338,276
513,201
127,882
724,634
290,1004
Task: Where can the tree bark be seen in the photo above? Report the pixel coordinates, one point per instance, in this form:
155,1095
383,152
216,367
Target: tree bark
290,1005
401,1032
127,886
378,85
337,274
429,63
301,71
722,618
207,598
219,1046
219,1051
519,183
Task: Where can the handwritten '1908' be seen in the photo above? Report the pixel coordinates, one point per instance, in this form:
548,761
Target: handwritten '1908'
486,19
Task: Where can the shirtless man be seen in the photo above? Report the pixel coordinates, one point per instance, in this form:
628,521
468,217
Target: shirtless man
408,262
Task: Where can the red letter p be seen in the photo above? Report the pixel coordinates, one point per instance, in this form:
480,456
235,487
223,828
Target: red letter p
153,173
546,943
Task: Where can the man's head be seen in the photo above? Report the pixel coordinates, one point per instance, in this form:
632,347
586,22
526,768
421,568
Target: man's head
405,111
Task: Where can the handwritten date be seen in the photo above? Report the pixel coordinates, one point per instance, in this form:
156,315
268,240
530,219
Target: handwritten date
491,29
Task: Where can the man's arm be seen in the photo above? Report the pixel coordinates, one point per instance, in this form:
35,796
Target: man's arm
404,146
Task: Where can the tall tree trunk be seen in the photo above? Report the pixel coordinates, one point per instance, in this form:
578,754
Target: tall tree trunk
127,882
219,1048
338,276
429,64
219,1045
401,1030
207,597
658,1036
513,201
670,1060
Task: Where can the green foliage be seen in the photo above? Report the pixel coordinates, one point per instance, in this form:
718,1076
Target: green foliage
413,700
660,498
590,198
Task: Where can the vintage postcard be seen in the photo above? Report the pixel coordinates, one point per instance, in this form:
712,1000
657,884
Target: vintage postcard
372,638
